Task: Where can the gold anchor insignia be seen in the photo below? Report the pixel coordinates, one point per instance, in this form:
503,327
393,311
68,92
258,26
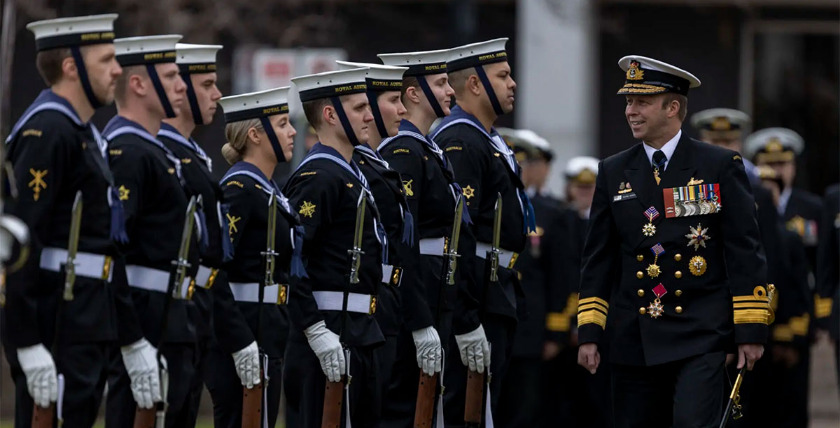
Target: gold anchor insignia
307,209
37,184
124,193
407,186
232,220
469,192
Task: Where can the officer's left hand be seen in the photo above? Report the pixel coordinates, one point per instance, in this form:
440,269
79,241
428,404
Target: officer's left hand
429,351
589,357
749,353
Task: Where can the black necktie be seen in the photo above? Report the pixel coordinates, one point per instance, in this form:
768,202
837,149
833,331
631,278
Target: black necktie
659,160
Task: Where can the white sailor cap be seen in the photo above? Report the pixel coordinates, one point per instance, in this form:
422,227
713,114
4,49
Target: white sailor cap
419,63
539,143
196,58
581,169
773,145
380,78
522,148
647,76
476,54
331,84
146,49
720,120
255,105
75,31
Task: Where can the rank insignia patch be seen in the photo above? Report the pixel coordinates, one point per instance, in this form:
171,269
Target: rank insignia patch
37,183
232,220
407,187
124,193
307,209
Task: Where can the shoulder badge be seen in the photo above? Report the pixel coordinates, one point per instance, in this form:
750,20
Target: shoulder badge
397,151
308,173
307,209
235,183
32,133
37,183
115,152
186,160
451,148
407,187
232,220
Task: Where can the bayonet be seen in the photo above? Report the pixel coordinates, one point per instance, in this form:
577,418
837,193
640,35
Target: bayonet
73,247
182,263
452,251
493,254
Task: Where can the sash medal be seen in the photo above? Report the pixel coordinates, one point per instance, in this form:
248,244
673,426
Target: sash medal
653,269
656,308
700,199
649,229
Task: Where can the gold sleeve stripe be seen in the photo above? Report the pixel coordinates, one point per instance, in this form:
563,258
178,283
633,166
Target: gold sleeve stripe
597,300
752,316
799,325
592,306
752,305
592,317
557,321
749,299
822,306
783,333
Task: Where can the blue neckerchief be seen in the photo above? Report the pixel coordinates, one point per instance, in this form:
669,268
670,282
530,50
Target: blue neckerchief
119,125
320,151
169,131
405,213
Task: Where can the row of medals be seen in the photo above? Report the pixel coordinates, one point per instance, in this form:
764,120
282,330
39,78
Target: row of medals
697,237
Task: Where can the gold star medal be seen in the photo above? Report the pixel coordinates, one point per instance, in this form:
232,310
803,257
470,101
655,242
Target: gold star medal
653,270
656,308
649,229
698,237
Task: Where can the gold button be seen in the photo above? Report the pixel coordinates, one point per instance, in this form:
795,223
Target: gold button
678,293
640,275
642,311
641,293
678,309
677,257
640,257
678,274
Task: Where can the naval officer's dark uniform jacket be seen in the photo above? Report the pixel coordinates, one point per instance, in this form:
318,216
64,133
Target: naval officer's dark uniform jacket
485,167
54,155
325,190
828,268
715,295
149,178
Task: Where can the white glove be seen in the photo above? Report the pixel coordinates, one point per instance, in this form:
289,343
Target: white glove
140,359
475,350
429,352
327,348
247,363
41,376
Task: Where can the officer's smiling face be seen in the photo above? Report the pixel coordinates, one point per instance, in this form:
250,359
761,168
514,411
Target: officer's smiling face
503,84
357,108
392,110
103,70
646,116
207,94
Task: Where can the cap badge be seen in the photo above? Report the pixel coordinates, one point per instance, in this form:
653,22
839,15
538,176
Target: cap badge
774,146
635,72
721,123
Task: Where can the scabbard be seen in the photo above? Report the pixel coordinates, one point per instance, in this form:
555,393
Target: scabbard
252,406
333,401
473,405
43,417
425,406
145,418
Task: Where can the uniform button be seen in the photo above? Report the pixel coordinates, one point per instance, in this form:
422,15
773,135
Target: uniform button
641,293
678,309
677,257
640,275
678,293
678,274
640,257
642,311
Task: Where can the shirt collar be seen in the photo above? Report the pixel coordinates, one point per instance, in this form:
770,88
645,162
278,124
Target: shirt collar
784,198
668,149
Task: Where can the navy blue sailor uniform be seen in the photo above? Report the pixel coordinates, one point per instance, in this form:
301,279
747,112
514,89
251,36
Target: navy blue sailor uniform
149,179
54,155
219,322
679,289
485,167
246,193
325,190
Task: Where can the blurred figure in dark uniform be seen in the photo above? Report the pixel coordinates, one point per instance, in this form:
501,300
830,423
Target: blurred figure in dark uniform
828,271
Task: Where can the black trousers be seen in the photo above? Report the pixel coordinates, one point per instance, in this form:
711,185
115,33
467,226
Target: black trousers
682,394
521,394
305,384
500,331
197,386
85,370
121,407
226,388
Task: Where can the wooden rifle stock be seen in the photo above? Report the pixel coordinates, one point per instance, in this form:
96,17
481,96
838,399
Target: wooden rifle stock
474,398
145,418
333,401
252,406
425,406
43,417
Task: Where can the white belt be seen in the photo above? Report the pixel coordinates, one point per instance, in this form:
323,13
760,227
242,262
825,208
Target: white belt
391,275
506,258
155,280
432,246
89,265
249,292
205,277
334,300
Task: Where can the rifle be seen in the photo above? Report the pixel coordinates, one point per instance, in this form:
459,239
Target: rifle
733,406
476,381
334,391
427,385
156,416
44,417
252,399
